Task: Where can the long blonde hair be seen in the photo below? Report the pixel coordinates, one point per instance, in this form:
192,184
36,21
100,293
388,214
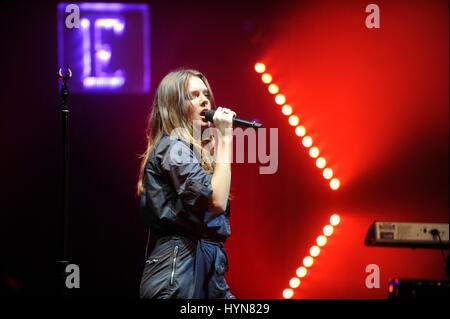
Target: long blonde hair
170,115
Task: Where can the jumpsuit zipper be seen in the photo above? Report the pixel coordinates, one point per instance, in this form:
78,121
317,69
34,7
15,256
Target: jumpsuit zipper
172,275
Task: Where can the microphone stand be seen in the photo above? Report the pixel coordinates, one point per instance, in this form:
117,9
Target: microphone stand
62,261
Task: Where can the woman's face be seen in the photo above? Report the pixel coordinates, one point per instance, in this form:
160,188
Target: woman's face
199,101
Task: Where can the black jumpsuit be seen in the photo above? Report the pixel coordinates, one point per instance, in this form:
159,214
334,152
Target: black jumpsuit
189,259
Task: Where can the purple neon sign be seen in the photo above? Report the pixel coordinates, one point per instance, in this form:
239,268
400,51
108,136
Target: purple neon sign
101,79
109,47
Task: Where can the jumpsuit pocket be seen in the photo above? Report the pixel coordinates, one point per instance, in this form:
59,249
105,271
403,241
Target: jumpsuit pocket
174,265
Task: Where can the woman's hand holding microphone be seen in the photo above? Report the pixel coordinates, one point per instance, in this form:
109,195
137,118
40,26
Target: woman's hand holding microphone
223,121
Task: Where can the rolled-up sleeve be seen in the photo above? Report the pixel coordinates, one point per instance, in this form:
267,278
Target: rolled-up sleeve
190,181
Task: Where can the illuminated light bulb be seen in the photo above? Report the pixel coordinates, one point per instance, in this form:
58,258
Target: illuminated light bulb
294,282
288,293
119,27
293,120
273,88
300,131
286,109
391,288
307,141
308,261
280,99
266,78
314,251
104,55
85,23
107,23
321,162
328,230
321,240
301,272
327,173
89,81
334,183
260,67
335,219
314,152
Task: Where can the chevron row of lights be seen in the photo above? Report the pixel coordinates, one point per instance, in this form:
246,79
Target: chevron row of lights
308,261
300,130
321,163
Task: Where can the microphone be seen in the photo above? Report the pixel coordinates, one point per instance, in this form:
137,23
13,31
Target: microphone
236,121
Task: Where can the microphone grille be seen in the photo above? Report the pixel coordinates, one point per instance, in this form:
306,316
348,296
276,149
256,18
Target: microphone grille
209,115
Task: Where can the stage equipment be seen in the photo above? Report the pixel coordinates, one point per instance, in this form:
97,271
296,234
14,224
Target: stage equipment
62,261
418,289
406,234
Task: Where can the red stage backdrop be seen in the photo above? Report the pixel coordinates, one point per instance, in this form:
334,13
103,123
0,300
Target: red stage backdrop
375,102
